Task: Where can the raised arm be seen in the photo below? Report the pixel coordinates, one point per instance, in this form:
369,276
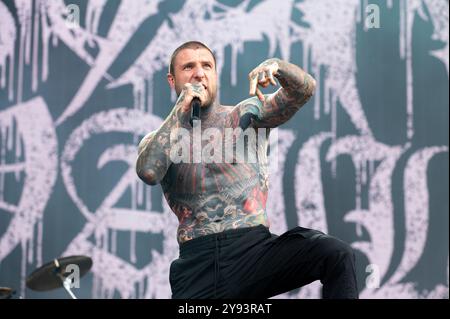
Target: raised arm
154,149
272,110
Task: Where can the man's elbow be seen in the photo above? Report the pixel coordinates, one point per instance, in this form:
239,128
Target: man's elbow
148,176
311,86
307,92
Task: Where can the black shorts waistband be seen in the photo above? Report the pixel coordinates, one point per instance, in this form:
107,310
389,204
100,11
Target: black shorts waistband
210,241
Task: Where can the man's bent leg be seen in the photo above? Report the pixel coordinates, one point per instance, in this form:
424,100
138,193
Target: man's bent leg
297,258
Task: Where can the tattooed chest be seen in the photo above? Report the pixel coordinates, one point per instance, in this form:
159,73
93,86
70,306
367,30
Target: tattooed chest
217,206
215,192
200,178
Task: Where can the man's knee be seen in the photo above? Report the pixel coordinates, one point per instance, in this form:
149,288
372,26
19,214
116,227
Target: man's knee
337,249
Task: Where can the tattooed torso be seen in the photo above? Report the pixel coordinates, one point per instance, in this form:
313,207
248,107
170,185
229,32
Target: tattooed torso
212,197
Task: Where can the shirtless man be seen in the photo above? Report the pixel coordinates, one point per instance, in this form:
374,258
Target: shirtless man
226,249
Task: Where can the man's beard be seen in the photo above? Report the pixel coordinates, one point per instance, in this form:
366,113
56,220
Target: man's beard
206,104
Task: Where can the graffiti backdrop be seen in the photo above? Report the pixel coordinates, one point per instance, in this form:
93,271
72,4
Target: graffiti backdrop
365,160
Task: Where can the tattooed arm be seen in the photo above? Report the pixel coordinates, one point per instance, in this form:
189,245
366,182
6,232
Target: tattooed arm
272,110
154,149
153,160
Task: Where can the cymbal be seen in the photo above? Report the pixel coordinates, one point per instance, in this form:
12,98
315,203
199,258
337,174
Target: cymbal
6,293
47,277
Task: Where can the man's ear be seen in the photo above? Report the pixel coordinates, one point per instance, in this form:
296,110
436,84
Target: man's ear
171,80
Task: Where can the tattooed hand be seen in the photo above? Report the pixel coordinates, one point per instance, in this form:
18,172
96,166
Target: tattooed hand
263,75
184,102
272,110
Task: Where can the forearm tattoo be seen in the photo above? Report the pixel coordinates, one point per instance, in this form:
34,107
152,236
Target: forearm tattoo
297,87
154,149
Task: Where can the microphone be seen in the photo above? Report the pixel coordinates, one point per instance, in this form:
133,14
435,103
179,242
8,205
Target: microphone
195,110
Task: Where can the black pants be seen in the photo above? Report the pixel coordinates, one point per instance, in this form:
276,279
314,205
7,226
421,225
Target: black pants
253,263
